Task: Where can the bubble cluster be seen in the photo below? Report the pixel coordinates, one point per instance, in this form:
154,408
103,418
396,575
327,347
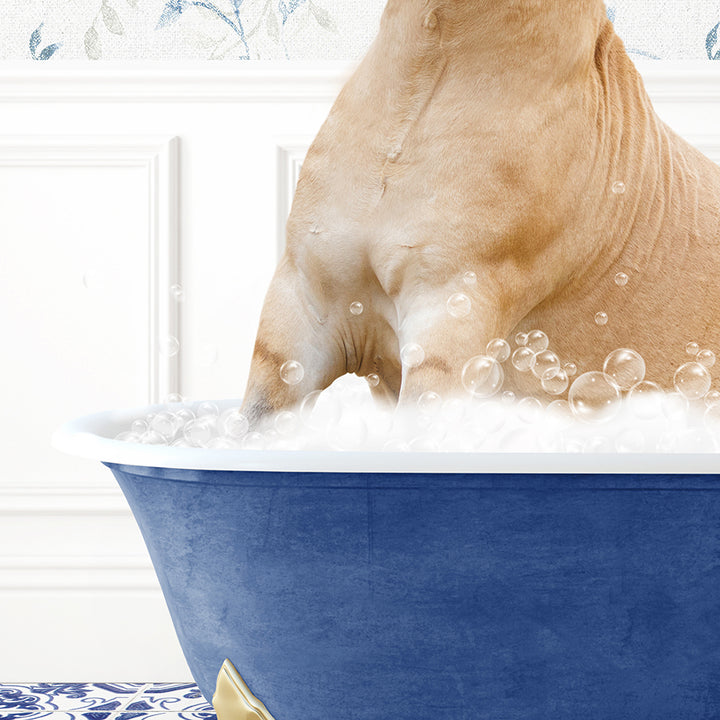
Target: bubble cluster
614,408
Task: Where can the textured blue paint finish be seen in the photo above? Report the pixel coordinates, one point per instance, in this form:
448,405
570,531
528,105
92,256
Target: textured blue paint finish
474,597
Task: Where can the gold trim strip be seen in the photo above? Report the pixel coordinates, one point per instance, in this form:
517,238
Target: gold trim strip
233,700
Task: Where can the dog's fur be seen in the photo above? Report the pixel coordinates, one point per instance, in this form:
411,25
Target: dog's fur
485,136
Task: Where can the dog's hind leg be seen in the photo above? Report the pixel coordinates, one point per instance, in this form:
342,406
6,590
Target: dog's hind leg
296,348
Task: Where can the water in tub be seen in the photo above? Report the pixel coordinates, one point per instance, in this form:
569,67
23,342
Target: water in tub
613,408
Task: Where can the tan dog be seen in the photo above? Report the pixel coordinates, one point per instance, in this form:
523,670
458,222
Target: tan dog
486,137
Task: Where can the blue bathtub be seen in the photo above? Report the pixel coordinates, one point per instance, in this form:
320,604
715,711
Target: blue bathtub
370,586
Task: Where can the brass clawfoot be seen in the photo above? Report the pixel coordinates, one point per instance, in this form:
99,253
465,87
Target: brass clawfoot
233,700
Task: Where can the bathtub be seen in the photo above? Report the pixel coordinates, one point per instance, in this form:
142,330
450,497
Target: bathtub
378,586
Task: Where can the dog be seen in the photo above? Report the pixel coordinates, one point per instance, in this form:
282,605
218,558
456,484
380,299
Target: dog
510,143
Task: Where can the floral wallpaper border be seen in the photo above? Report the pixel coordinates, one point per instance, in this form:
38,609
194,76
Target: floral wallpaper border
42,30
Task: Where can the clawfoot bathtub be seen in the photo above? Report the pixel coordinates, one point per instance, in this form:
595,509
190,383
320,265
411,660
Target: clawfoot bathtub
361,586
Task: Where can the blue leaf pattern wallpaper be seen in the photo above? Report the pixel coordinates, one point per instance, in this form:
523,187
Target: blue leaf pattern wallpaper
47,30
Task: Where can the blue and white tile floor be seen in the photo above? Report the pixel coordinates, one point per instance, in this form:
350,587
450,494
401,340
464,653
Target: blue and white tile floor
103,701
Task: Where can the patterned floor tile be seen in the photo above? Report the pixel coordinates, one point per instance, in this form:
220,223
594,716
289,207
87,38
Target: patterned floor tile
182,698
95,697
104,701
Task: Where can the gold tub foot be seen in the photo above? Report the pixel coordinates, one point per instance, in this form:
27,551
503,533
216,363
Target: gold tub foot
233,700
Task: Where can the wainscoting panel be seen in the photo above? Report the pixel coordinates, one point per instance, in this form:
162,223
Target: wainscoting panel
117,183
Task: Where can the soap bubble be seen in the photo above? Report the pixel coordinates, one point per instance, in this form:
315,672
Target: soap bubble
128,436
630,440
207,409
570,369
356,308
233,423
598,444
372,379
412,355
222,443
521,338
177,292
554,381
522,358
139,426
199,432
543,361
292,372
164,423
459,305
621,279
601,318
618,187
429,403
489,418
594,397
559,413
469,278
706,358
482,376
169,346
529,410
173,398
692,380
625,367
453,410
712,398
498,349
253,441
508,397
537,341
184,415
692,348
711,417
674,406
286,423
646,399
152,437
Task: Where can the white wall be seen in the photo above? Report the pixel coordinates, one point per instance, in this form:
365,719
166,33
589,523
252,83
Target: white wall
116,183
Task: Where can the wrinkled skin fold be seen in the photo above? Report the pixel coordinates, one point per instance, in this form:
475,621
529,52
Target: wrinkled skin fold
486,136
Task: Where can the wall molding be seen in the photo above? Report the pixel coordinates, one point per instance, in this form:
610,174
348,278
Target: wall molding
56,573
157,156
265,81
27,500
257,81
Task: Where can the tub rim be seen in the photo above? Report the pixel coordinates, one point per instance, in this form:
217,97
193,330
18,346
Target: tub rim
92,437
